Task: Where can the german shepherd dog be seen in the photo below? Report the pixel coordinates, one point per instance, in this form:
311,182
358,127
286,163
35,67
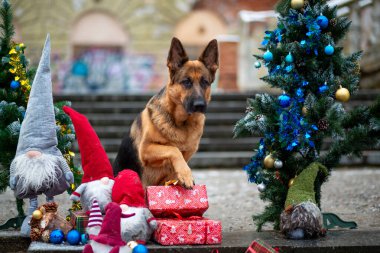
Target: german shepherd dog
165,135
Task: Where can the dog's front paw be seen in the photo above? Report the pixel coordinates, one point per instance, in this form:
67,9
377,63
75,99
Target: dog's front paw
185,178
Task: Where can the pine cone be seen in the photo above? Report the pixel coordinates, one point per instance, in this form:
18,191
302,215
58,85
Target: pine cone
323,124
51,207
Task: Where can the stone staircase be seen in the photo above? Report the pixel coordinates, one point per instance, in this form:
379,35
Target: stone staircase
111,116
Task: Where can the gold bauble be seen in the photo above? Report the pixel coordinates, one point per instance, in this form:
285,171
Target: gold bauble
291,182
342,94
297,4
37,214
304,111
45,236
269,162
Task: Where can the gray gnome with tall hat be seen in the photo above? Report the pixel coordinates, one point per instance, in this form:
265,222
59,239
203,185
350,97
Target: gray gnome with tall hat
39,167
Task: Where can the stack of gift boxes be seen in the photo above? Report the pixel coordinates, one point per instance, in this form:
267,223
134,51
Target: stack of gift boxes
179,216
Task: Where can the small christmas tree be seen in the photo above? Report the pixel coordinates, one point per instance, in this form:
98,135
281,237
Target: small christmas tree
305,61
14,92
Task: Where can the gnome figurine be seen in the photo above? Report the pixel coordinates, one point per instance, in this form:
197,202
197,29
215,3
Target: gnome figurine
95,219
97,180
137,222
39,166
302,219
109,239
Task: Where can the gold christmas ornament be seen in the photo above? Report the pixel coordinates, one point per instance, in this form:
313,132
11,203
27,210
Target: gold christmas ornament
45,236
37,214
297,4
132,244
291,182
342,94
269,162
304,111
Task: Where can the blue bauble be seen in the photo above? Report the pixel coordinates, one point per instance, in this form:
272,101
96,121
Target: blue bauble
56,236
322,21
289,58
73,237
329,50
284,100
323,88
140,249
257,64
84,239
15,85
268,56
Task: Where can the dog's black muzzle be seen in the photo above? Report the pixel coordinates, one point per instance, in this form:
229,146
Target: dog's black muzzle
196,105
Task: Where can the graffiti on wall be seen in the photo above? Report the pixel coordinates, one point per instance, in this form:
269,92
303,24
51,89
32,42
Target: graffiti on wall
108,70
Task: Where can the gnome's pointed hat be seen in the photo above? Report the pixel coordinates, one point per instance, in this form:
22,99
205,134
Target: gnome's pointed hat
128,189
302,189
95,163
38,129
110,233
95,218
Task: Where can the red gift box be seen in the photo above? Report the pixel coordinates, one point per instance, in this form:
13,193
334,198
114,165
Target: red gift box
164,201
259,246
188,231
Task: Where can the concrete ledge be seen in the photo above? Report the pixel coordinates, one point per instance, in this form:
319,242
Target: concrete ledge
337,241
12,241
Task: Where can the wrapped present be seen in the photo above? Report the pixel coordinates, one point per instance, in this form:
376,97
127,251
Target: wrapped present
163,201
79,219
259,246
188,231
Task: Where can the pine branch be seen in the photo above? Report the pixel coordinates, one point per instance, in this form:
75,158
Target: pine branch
7,27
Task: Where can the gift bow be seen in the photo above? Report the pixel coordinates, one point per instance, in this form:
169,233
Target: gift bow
179,217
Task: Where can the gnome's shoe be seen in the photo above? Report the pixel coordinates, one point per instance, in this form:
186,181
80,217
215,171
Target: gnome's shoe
25,227
296,234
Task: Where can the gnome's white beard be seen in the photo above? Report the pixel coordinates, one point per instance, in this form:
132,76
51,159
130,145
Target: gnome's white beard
33,173
99,191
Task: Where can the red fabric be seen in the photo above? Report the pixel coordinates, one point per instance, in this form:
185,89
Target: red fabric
76,194
259,246
110,233
115,249
163,201
128,189
87,249
95,163
181,232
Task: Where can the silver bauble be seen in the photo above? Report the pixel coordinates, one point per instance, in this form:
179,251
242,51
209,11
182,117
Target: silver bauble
261,187
278,164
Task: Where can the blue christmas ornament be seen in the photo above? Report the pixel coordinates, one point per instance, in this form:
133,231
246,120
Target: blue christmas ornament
323,88
73,237
329,50
140,249
84,239
322,21
284,100
56,236
15,85
289,58
268,56
257,64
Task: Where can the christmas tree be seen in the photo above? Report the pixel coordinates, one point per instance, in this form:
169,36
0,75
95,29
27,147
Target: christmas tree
305,61
15,86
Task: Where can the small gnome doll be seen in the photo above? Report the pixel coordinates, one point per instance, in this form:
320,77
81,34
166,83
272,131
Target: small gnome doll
137,222
39,167
95,219
109,239
97,180
302,218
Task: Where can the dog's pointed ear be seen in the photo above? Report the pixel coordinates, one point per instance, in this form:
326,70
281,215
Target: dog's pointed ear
177,56
210,57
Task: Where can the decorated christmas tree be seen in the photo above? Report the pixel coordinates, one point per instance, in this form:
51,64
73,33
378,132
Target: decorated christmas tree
305,60
15,84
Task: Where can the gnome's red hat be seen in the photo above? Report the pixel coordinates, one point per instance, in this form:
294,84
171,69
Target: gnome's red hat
128,189
95,163
110,233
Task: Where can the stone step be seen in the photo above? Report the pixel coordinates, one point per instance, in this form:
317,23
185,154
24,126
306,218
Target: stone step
136,107
336,241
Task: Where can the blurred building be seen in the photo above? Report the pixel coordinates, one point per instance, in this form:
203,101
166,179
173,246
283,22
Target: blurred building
112,46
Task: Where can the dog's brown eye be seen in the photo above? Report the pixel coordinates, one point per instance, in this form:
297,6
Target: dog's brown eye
204,83
187,83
